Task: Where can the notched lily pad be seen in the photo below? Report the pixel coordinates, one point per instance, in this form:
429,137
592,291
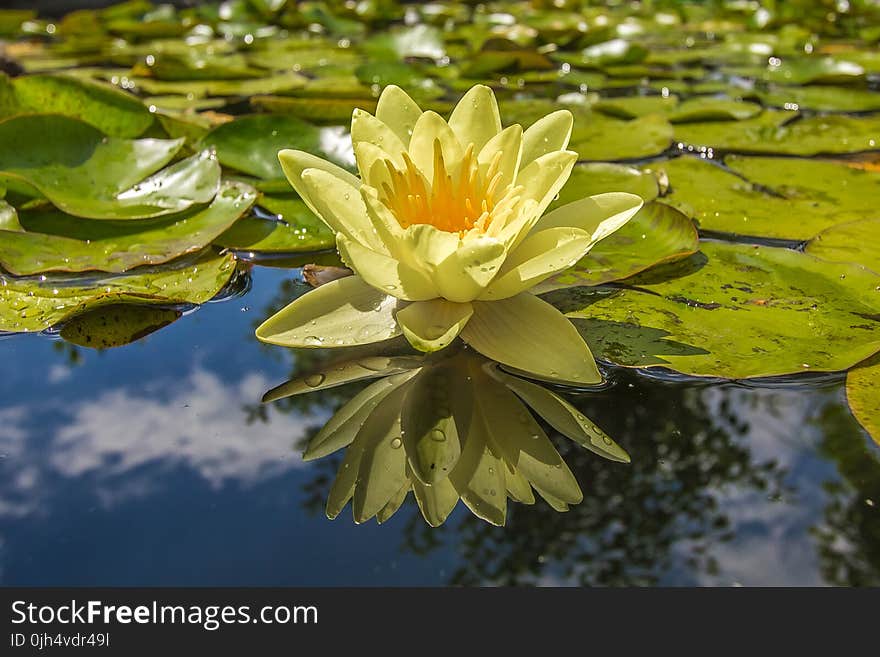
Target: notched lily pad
33,304
863,395
855,242
58,242
777,198
86,174
734,311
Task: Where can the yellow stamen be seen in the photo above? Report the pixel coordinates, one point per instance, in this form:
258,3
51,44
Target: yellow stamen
469,200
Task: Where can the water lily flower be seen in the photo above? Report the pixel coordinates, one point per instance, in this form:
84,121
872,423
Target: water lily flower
447,426
445,232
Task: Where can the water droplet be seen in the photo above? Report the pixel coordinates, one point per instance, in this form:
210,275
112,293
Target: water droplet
606,440
437,435
396,443
312,341
314,380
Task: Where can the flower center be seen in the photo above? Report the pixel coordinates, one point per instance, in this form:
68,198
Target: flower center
453,203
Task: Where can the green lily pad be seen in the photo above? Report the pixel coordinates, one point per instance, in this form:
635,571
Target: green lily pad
86,174
320,110
825,70
713,109
631,107
769,133
112,111
734,311
596,136
856,242
823,99
58,242
32,304
863,395
116,325
656,234
270,84
779,198
296,230
250,144
600,177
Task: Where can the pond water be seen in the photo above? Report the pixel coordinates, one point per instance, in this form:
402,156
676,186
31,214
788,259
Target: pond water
155,462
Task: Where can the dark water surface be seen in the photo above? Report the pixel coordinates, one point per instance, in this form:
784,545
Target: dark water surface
153,464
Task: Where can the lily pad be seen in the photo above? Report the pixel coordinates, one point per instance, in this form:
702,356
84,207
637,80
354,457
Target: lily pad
32,304
596,136
856,242
631,107
600,177
778,198
295,230
86,174
58,242
863,395
112,111
269,84
713,109
319,110
823,99
8,217
734,311
769,133
656,234
250,144
116,325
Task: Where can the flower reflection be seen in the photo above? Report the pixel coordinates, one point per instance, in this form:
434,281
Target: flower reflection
447,426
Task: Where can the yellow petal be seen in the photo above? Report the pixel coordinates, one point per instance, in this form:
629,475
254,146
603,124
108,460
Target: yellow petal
343,486
394,503
530,335
340,206
548,134
598,215
398,111
386,274
562,416
541,180
469,269
344,312
508,142
539,256
293,163
433,325
476,119
382,467
371,164
517,485
430,128
367,128
385,223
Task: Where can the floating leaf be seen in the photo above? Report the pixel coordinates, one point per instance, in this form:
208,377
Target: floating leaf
655,235
116,325
863,395
769,133
631,107
87,174
734,311
32,304
856,242
269,84
600,177
780,198
713,109
823,99
58,242
250,144
296,229
319,110
112,111
8,217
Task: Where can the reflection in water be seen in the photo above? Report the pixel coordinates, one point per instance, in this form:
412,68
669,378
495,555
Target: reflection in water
448,426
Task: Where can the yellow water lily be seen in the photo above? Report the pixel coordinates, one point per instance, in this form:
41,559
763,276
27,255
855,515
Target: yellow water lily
445,234
449,426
